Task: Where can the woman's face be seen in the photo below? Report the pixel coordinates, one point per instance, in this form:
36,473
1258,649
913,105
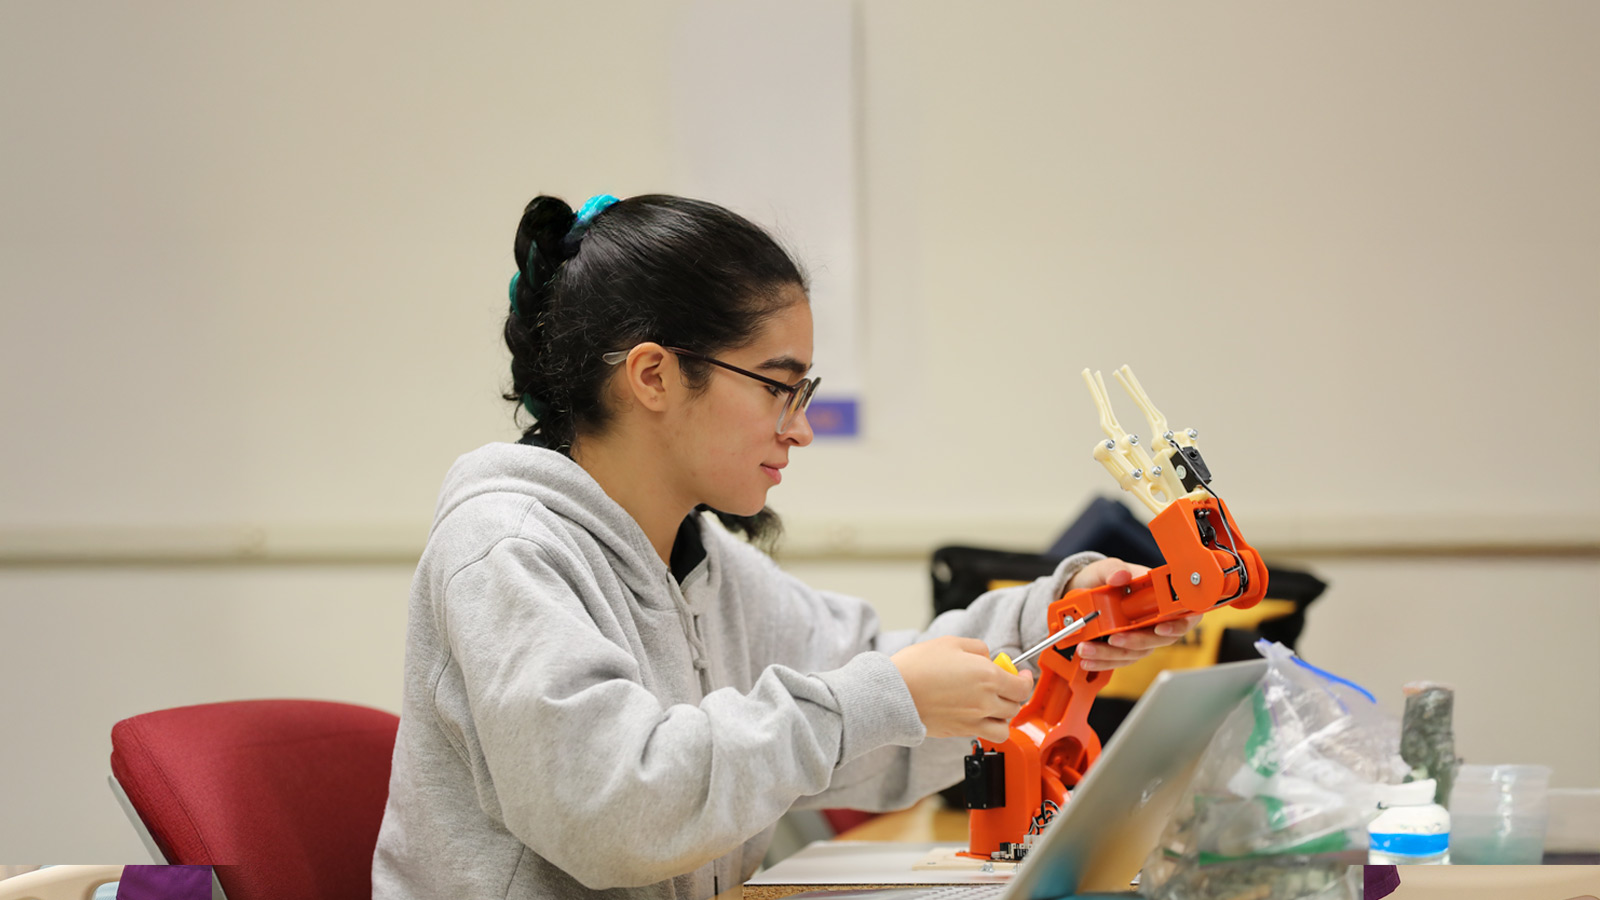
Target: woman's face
731,453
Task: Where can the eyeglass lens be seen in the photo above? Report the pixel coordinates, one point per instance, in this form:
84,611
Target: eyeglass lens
798,401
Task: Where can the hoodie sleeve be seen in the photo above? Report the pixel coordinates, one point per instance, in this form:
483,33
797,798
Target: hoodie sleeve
808,630
569,750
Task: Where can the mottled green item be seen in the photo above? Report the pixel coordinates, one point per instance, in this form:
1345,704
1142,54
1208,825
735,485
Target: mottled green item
1287,877
1328,843
1258,748
1427,742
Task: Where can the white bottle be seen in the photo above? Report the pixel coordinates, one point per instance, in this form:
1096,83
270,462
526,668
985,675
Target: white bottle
1411,829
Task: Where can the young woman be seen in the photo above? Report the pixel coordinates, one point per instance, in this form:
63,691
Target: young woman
606,690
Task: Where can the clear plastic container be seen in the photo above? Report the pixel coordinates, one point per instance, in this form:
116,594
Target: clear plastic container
1500,814
1411,829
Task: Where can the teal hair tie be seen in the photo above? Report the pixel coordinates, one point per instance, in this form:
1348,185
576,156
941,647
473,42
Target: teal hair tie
539,408
592,207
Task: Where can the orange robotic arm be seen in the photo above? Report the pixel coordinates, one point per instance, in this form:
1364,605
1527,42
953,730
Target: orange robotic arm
1014,788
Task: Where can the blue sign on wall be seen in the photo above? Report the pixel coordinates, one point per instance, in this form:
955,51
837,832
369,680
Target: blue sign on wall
833,418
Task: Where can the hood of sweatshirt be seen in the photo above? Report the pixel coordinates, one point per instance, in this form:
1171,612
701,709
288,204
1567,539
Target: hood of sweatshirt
566,491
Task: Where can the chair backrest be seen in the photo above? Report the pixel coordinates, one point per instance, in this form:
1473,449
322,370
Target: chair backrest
283,797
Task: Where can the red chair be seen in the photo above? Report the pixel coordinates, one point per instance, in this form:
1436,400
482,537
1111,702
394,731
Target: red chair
842,820
283,797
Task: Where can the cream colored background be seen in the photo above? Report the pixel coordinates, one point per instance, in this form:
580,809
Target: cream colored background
1497,883
254,260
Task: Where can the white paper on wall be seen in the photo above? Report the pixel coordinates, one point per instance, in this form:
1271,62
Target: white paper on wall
765,114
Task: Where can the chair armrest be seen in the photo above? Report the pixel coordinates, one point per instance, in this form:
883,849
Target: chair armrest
59,883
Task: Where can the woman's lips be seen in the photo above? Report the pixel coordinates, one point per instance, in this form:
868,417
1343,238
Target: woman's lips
773,473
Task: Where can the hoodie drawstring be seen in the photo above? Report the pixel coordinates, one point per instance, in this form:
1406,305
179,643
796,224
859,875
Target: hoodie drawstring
691,629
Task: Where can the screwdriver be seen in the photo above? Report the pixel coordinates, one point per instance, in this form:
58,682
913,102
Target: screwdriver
1010,665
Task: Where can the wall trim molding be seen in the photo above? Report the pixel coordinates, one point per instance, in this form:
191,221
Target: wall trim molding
858,539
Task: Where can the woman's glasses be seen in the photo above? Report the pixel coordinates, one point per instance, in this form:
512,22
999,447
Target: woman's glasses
799,393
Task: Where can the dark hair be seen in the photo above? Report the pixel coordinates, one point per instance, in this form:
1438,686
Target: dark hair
680,272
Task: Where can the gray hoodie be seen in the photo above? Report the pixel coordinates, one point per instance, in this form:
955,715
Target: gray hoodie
577,723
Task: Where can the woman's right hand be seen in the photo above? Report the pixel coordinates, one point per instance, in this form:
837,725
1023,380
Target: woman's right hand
959,691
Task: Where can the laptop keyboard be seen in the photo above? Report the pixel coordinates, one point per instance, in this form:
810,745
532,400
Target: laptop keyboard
964,892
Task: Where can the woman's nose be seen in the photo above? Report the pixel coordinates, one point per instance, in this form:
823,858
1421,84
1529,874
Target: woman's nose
797,430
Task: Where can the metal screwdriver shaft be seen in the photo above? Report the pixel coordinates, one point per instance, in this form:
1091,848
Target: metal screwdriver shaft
1010,665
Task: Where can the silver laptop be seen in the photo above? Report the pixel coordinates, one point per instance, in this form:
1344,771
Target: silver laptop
1097,844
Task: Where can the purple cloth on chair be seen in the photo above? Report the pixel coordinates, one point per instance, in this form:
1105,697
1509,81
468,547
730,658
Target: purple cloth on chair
165,883
1377,881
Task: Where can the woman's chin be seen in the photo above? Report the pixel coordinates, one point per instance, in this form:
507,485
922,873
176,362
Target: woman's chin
746,506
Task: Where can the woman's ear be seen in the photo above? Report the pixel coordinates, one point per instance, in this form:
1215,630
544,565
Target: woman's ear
649,371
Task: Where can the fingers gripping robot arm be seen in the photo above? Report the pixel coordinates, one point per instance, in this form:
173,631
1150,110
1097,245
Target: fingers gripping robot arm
1013,789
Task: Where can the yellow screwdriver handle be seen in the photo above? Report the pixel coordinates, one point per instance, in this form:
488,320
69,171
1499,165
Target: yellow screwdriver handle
1004,662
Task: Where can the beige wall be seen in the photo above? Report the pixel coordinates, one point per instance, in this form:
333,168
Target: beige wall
253,261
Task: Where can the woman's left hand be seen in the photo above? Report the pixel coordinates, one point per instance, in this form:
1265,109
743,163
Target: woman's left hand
1127,647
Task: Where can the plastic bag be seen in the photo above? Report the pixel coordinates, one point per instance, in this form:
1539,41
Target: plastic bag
1278,805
